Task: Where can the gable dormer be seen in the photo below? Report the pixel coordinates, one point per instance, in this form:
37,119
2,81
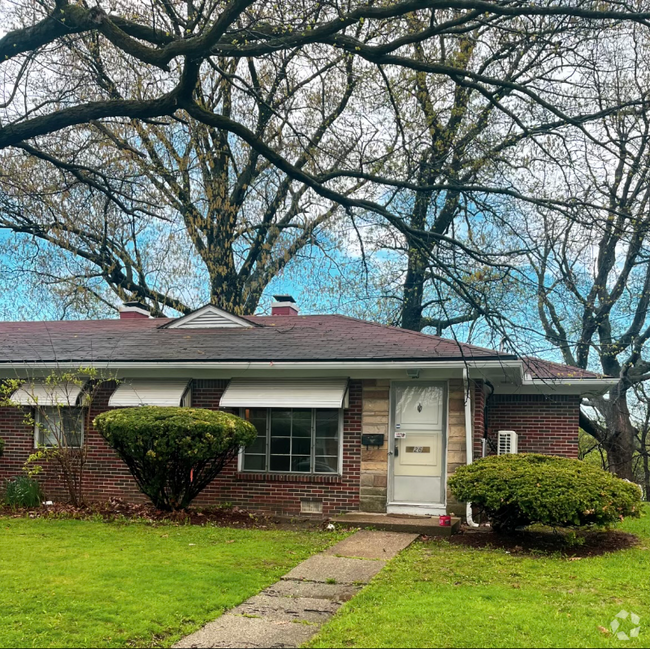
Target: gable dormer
209,317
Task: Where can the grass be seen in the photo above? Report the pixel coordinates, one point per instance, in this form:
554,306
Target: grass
440,595
67,583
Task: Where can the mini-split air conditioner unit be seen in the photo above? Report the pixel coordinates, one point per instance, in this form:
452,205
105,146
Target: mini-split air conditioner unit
507,442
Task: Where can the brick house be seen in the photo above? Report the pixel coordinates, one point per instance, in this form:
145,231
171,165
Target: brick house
351,415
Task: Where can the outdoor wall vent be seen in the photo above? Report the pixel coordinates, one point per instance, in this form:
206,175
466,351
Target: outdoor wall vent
507,443
311,506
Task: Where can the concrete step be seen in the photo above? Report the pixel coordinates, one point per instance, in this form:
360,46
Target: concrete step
427,525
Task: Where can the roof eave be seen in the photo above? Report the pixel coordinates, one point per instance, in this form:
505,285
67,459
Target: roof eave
585,386
305,365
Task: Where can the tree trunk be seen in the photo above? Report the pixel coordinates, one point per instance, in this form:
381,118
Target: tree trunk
619,441
645,451
413,291
417,266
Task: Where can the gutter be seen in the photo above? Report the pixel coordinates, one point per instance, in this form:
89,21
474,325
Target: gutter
469,437
598,383
253,365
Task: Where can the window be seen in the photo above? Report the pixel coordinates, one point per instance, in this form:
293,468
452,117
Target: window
296,440
63,427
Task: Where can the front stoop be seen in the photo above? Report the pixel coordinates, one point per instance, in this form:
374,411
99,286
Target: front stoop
427,525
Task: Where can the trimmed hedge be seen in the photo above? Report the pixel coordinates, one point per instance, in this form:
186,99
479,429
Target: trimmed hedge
520,490
174,453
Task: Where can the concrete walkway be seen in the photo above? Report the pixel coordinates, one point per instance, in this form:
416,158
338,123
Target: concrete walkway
291,611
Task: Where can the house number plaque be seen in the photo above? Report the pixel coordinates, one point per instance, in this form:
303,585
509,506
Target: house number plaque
418,449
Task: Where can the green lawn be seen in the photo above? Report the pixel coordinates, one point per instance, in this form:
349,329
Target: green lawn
66,583
440,595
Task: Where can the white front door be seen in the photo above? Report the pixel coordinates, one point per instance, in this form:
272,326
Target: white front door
418,448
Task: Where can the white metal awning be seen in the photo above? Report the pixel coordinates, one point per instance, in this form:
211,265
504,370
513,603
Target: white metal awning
147,392
44,394
286,393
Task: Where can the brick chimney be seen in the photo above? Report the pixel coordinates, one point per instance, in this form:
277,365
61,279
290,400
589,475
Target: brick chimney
130,310
283,305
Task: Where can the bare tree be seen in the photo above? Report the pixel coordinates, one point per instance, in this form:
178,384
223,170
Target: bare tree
140,205
591,263
176,41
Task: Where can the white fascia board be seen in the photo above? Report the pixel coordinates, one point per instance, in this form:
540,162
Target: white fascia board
571,386
268,365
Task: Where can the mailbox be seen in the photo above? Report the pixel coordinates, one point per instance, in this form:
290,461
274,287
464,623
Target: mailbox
372,440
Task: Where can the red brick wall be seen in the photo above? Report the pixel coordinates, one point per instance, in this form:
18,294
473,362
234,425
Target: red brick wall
282,494
106,476
19,441
544,424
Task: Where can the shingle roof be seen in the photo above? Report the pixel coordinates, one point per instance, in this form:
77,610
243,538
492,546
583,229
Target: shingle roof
542,369
279,338
275,339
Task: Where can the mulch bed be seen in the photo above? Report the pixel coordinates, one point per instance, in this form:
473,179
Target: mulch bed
547,542
116,509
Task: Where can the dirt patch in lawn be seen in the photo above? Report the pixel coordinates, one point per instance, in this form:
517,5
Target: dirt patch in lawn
116,509
547,542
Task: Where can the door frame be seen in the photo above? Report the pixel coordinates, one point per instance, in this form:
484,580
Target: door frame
431,509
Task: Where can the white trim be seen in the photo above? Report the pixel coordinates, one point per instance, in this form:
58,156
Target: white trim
414,509
270,365
604,382
468,396
447,432
226,320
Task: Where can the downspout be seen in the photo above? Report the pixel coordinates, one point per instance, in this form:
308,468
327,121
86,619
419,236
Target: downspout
469,438
486,424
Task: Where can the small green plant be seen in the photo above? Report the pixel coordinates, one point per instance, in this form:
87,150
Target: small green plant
23,491
2,446
521,490
572,540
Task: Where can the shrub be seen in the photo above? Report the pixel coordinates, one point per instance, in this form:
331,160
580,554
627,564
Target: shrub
174,453
519,490
2,446
23,491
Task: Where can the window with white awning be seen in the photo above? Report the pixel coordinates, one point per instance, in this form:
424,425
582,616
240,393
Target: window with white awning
299,423
147,392
59,415
44,394
286,393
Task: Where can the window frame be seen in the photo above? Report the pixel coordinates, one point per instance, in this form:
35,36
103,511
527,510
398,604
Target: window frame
37,420
267,456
